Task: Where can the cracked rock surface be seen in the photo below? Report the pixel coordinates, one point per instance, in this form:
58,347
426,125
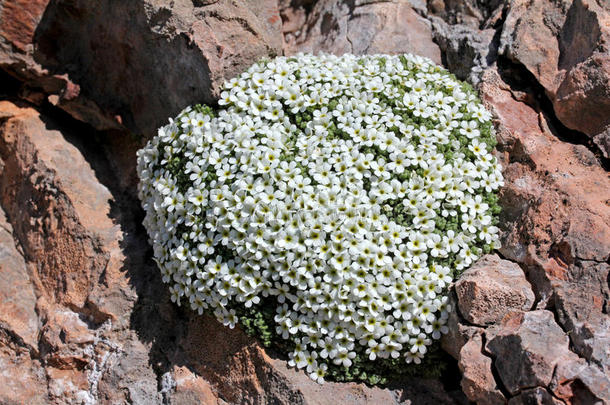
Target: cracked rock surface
84,316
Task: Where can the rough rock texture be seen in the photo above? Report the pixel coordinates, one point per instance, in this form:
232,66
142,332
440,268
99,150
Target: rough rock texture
565,45
478,381
174,53
22,377
491,288
84,316
466,32
526,348
361,27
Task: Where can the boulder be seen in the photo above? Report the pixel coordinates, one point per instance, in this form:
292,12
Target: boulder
363,26
564,45
555,210
17,298
492,288
526,348
175,54
459,331
466,50
70,236
466,13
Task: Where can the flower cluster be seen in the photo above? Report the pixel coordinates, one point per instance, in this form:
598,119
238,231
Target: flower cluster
346,192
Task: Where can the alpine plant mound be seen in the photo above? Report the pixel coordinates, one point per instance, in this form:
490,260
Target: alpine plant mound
325,206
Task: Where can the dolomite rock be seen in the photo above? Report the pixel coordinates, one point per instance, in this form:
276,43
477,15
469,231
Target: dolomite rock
490,289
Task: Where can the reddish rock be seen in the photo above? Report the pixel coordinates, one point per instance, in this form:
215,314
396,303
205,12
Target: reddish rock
174,54
189,388
103,329
477,378
69,235
340,27
294,15
459,331
19,21
555,204
22,377
529,37
492,288
68,384
564,45
582,100
575,381
17,298
526,348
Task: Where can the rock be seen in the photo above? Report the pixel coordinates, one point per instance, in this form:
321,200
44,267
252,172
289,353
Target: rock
69,235
529,37
555,206
17,299
360,27
580,303
174,54
189,388
73,246
535,396
492,288
575,381
602,140
470,13
582,100
564,45
459,332
466,50
526,347
477,378
84,316
22,377
294,15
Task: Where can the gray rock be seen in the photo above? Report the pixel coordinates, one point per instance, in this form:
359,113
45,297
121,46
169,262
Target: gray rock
467,51
364,27
535,396
526,347
576,380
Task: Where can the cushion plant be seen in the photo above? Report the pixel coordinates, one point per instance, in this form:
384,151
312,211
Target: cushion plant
326,204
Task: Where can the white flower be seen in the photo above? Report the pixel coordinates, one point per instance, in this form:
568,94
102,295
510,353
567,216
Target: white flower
344,191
